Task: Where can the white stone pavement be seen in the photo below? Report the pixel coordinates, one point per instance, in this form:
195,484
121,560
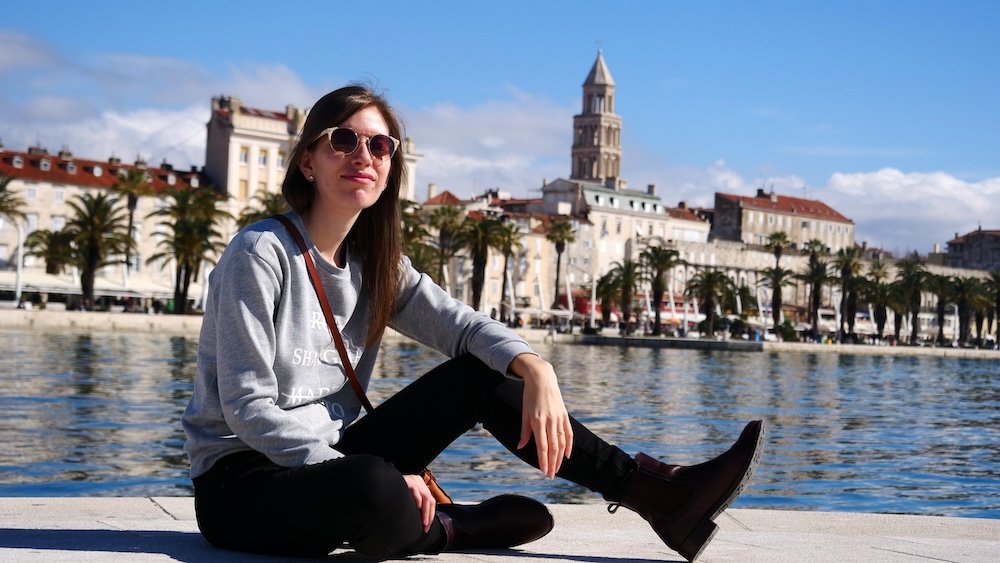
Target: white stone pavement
98,529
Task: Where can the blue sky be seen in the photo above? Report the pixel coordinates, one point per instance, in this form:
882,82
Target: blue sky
885,110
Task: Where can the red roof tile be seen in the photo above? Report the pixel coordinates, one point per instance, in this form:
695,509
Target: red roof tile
789,205
84,176
444,198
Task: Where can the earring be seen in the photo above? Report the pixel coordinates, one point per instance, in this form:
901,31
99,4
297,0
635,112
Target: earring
312,178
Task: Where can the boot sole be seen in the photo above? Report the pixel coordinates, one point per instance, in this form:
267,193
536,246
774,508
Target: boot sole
758,450
703,532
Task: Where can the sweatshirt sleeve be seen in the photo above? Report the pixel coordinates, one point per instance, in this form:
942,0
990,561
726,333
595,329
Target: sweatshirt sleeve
245,298
427,314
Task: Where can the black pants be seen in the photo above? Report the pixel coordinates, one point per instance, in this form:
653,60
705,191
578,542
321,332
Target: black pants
246,502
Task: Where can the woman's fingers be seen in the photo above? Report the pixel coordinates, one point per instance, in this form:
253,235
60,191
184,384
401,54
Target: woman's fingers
423,498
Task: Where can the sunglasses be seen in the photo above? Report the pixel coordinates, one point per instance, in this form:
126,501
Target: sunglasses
345,141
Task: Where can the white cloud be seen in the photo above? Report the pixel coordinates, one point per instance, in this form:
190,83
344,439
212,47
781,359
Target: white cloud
175,135
19,51
511,144
912,210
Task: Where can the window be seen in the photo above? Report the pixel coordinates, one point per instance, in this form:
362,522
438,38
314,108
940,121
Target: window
262,159
71,168
98,171
598,200
618,226
281,159
244,187
58,222
31,193
18,162
45,165
194,181
244,154
59,194
805,224
32,220
171,179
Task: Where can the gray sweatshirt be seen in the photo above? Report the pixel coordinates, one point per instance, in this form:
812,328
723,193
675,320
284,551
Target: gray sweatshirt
269,377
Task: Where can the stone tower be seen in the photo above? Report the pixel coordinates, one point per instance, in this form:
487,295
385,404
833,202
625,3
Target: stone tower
597,149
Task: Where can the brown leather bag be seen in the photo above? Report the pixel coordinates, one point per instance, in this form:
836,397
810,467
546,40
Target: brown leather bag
440,496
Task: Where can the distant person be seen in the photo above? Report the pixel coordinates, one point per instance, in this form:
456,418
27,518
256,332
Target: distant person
282,463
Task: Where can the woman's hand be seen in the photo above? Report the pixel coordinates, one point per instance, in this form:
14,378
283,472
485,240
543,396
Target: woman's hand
543,413
423,497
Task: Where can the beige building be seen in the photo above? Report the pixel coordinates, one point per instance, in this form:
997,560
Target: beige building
247,149
753,219
976,249
47,183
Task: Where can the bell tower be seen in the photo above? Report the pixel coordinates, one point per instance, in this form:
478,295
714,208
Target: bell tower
597,150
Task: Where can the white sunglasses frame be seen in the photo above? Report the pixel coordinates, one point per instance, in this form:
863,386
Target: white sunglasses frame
328,132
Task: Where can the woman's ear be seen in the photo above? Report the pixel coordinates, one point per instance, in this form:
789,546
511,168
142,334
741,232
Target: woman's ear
306,165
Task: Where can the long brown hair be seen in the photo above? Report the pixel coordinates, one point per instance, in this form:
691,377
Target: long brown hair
377,234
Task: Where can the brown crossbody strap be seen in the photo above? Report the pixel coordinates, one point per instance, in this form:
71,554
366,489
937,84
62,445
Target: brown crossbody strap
324,304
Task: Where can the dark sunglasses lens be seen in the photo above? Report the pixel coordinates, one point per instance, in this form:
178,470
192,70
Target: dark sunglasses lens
380,146
343,140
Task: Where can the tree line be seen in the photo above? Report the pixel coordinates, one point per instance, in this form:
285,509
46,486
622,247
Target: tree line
98,234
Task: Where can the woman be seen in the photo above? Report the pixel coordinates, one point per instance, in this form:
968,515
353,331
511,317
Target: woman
281,462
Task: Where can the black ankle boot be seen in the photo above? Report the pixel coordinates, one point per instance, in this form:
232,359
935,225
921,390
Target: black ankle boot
497,523
680,502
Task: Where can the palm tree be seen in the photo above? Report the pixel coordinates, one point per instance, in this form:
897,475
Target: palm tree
876,291
911,276
627,276
55,247
192,218
709,287
899,304
560,234
607,289
271,203
132,183
816,275
968,293
508,241
992,286
848,263
658,262
416,238
478,236
776,278
447,220
10,202
100,234
778,242
10,206
941,287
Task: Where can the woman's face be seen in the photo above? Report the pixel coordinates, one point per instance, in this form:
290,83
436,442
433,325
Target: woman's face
353,182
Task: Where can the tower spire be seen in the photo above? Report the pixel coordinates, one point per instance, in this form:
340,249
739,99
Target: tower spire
597,150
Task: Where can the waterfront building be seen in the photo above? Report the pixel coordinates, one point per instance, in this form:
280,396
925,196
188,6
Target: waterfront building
978,249
753,219
247,148
49,182
611,221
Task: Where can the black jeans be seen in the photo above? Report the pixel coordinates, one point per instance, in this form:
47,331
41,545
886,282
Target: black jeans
246,502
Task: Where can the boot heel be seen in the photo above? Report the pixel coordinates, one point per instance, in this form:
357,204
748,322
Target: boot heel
696,541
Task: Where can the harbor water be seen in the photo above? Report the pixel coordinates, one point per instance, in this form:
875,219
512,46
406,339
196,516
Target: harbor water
98,415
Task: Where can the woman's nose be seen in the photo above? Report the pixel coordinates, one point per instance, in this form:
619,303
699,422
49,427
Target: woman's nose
362,155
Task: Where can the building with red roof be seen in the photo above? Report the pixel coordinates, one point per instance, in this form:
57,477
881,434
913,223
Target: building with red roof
753,219
979,249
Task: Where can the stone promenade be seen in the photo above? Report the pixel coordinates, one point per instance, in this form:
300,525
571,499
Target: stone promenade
138,529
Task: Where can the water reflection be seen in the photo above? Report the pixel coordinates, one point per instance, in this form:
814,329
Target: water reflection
97,414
